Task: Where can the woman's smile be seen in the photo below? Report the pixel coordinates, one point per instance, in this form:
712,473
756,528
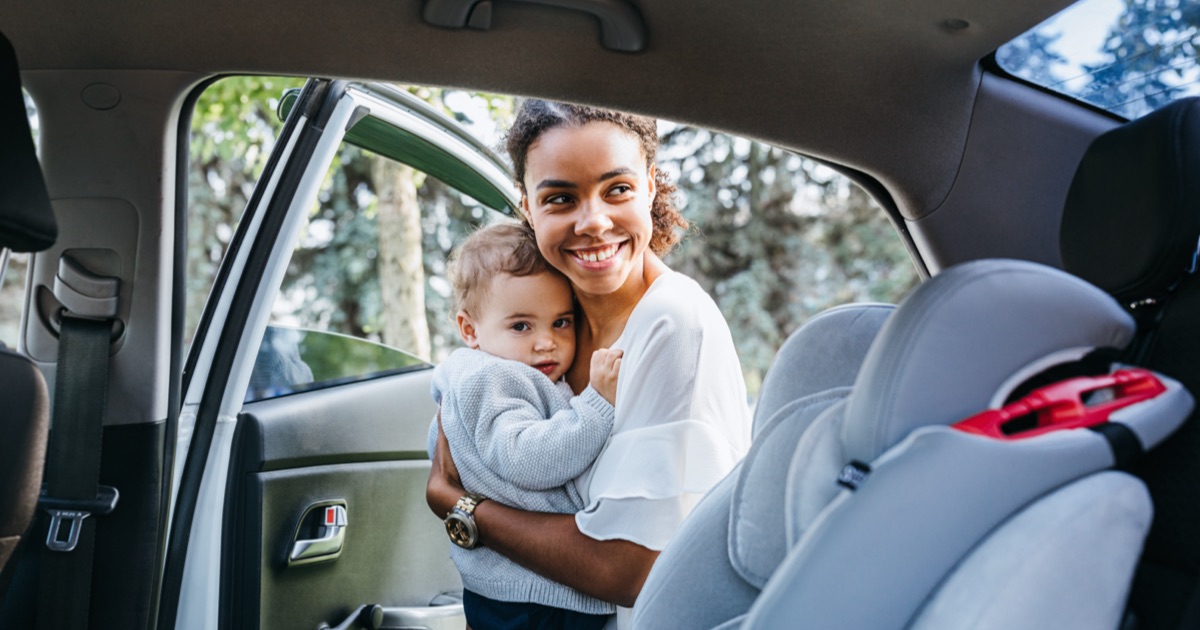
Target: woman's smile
598,257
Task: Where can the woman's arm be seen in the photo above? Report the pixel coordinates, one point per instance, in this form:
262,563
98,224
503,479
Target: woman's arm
548,544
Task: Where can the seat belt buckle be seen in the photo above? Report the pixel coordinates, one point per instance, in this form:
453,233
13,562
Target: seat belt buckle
54,539
71,513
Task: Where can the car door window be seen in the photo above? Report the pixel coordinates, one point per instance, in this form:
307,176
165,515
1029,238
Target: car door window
364,295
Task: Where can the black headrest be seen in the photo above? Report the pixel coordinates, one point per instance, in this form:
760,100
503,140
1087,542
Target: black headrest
1132,217
26,219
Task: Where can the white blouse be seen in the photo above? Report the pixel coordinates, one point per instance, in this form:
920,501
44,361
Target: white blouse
682,419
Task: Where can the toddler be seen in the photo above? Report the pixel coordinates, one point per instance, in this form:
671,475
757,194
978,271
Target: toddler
517,432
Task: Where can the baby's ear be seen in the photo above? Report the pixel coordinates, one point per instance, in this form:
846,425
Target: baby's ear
466,330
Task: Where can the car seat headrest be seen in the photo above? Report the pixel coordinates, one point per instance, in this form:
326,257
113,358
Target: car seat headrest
826,352
962,338
1132,216
26,218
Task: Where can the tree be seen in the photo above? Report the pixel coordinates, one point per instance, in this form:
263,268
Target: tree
775,238
1153,49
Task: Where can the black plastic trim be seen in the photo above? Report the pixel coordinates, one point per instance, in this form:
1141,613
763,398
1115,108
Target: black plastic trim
990,64
880,194
228,346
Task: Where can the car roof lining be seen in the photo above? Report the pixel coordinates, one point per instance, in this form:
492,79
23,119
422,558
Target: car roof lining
873,112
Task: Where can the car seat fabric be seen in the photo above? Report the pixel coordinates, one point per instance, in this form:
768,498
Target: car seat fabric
946,353
1131,225
1132,214
1082,539
826,352
716,563
26,218
26,224
25,402
870,558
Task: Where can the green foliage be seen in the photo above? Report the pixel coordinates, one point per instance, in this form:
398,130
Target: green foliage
775,238
232,132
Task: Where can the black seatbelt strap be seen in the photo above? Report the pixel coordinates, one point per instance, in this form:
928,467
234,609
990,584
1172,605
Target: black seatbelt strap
73,496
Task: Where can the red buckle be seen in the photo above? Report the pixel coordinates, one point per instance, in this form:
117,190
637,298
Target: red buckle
1061,406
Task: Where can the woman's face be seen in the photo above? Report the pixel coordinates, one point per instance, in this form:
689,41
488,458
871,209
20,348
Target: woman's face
587,195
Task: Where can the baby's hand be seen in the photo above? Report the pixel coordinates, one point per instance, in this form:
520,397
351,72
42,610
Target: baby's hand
606,364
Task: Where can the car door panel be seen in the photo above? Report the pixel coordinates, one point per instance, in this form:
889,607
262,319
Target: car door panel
362,444
335,421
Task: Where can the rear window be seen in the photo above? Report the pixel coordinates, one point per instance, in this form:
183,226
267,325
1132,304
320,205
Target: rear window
1129,57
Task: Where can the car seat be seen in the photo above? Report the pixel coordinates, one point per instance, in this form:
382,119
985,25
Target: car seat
890,517
1130,226
26,225
702,579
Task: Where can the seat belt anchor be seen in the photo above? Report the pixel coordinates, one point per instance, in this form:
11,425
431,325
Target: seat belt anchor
73,512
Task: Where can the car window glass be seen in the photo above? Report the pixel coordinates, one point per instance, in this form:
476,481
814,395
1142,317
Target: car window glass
1127,56
366,286
775,238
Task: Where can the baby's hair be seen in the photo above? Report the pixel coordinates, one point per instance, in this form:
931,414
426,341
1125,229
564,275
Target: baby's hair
499,248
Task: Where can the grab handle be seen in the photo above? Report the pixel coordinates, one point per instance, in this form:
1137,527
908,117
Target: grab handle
621,25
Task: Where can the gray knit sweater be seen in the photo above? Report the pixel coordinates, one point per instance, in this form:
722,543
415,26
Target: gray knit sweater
520,439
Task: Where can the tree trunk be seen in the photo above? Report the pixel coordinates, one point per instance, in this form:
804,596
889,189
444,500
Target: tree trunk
401,274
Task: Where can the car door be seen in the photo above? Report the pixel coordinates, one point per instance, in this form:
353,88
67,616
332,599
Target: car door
300,497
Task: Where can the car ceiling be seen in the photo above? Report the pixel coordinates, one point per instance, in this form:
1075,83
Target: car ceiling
882,86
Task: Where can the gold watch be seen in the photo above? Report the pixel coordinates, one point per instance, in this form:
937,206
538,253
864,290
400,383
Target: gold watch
460,522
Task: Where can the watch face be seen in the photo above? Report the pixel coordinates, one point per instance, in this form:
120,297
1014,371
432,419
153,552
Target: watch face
461,530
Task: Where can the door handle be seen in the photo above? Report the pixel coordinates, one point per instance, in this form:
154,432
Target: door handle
328,519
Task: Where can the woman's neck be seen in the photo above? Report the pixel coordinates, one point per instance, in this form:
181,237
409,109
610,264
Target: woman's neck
605,315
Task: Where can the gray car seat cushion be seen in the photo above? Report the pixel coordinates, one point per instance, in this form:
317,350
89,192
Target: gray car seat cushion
931,497
926,503
26,218
713,567
826,352
956,340
26,416
1064,562
693,584
1130,223
757,542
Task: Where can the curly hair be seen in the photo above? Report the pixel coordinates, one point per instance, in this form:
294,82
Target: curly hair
535,117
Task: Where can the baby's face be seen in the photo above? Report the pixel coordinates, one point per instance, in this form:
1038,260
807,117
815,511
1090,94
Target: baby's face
530,319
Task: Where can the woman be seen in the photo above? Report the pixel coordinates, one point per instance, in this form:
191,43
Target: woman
602,215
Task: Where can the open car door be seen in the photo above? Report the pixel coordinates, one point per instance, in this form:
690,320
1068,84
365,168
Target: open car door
300,496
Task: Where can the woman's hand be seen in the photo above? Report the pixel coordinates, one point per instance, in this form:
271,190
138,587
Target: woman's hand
444,487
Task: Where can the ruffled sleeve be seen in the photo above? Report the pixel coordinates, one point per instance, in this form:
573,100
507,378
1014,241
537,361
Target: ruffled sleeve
682,420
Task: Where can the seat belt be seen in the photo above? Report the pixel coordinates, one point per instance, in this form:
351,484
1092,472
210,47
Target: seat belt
72,493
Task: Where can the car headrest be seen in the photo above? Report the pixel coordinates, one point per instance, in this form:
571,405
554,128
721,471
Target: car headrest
1132,215
826,352
968,337
26,218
